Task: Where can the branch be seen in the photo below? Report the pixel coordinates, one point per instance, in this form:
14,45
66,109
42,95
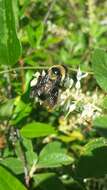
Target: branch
49,11
41,68
26,171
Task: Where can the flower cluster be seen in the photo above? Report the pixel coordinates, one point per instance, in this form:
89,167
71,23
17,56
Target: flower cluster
56,30
79,107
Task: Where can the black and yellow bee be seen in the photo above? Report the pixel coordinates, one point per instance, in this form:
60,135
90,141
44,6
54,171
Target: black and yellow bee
46,86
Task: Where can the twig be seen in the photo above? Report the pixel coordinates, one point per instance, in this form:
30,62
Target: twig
49,11
32,170
92,20
19,68
40,68
8,77
21,63
26,171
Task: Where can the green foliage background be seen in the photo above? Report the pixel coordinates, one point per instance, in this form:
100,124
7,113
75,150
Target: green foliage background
34,153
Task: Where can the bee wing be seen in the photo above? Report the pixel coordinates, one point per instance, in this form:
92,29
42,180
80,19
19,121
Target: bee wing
52,100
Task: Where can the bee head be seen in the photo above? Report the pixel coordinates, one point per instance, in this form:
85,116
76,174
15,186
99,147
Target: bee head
57,72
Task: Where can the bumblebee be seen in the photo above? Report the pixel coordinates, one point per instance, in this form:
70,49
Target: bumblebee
46,85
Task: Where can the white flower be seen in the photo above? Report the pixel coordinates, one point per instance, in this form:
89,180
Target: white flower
78,85
33,82
79,77
43,73
69,83
88,110
35,79
72,107
79,74
36,99
36,75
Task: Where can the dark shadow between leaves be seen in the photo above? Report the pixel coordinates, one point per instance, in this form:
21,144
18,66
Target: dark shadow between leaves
94,165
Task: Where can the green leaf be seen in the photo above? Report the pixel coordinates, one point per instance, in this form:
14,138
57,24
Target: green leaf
48,181
31,156
14,164
54,155
8,181
6,109
100,122
92,162
93,144
35,36
39,33
16,11
36,129
99,65
104,103
28,77
10,49
21,111
52,40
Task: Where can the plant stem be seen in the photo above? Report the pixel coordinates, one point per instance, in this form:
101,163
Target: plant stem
26,171
8,77
32,170
21,63
49,10
40,68
92,20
